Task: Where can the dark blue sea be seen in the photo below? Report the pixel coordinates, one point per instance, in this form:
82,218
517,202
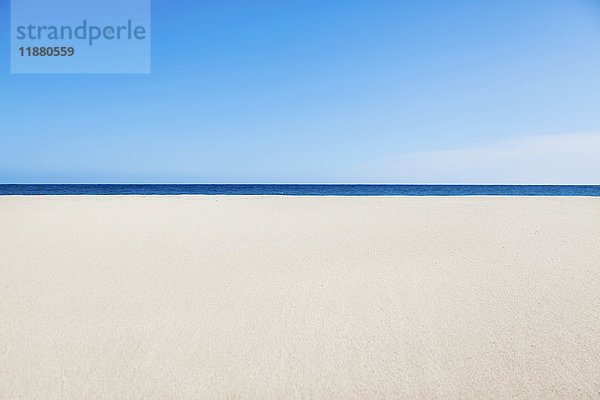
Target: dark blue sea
305,190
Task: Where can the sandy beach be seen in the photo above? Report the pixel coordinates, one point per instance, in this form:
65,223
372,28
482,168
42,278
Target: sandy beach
267,297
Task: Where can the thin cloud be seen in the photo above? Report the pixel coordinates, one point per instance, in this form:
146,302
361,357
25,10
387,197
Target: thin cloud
551,159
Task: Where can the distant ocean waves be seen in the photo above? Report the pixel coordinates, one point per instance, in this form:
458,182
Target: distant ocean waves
306,190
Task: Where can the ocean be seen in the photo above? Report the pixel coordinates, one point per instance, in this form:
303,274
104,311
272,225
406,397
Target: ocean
302,190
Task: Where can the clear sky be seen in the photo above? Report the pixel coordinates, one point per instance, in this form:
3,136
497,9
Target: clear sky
323,91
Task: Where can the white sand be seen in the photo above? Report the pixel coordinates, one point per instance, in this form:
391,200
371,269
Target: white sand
194,297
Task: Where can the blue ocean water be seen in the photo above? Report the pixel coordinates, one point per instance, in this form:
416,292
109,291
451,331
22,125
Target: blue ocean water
304,190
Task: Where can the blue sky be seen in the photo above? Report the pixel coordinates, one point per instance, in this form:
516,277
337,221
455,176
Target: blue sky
323,92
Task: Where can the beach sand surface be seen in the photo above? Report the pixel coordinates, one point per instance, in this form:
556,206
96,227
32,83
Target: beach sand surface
267,297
